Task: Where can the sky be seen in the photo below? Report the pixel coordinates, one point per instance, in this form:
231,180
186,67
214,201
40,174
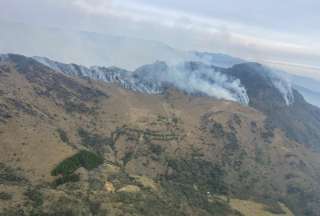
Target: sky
277,32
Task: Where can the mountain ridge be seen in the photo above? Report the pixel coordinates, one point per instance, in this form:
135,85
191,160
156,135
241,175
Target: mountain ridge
283,104
97,72
89,48
248,83
167,154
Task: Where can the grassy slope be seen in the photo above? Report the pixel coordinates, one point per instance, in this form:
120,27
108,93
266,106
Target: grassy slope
171,139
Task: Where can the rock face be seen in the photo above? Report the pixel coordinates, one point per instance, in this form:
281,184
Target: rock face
129,189
109,187
183,151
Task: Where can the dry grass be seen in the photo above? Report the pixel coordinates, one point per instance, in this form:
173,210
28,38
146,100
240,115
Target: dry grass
251,208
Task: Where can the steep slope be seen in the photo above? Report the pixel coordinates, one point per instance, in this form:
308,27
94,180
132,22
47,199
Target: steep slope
191,77
310,95
248,83
307,86
168,154
299,119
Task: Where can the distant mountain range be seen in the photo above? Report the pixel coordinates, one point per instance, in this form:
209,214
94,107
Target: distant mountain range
191,77
308,87
85,48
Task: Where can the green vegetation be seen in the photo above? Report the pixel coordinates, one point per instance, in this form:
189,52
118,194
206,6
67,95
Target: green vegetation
60,213
121,179
147,203
9,175
67,178
4,112
156,149
196,152
127,157
179,193
168,120
12,212
66,168
83,158
63,135
237,119
171,200
72,107
147,134
216,129
96,184
35,196
94,141
5,196
231,143
275,208
260,156
207,177
268,134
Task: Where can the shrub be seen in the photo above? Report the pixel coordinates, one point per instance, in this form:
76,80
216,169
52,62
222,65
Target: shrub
204,174
180,192
275,208
12,212
268,134
72,107
9,175
231,142
156,149
127,157
216,129
83,158
65,179
63,135
35,196
5,196
61,213
95,141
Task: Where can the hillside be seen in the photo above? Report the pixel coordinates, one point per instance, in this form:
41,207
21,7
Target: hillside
77,146
300,120
247,83
312,96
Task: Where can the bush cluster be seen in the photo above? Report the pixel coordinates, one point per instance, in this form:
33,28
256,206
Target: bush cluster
83,158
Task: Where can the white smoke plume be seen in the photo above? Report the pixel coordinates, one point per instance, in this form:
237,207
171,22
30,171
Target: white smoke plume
201,79
284,86
190,77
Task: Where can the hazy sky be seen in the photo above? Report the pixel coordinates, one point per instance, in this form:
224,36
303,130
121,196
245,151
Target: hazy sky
283,32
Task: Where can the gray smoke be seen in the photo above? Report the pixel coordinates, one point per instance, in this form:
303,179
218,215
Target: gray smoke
283,84
195,78
190,77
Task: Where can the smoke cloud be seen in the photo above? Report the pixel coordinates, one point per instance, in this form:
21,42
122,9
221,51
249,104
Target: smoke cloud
283,84
190,77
